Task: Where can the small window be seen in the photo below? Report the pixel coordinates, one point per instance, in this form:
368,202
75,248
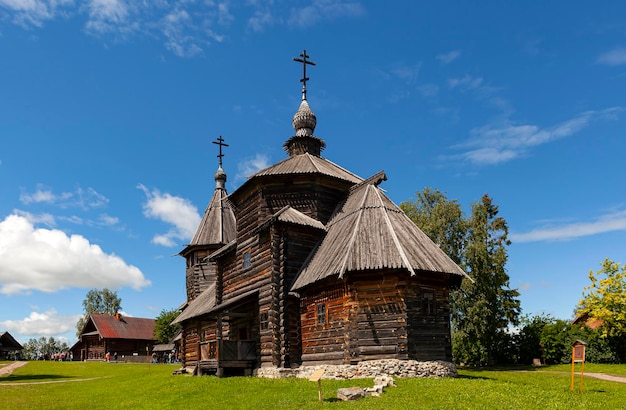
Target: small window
321,314
428,303
263,321
246,259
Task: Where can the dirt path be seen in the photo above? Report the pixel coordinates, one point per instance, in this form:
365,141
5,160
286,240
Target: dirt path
607,377
8,369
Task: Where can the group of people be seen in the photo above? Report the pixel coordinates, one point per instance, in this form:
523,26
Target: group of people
57,357
165,357
108,357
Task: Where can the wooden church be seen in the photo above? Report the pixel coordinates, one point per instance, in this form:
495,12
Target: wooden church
307,263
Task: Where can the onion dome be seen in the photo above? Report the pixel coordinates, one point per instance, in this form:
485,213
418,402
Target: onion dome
304,120
303,142
220,179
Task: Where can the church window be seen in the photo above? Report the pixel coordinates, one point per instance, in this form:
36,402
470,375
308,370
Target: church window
264,321
321,314
246,259
428,303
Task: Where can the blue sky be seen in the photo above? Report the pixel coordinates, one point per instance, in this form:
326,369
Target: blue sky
108,109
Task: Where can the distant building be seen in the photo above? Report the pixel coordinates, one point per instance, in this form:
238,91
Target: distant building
9,347
588,321
307,263
131,337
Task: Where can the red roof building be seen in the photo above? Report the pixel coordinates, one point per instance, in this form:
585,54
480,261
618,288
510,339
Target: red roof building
129,337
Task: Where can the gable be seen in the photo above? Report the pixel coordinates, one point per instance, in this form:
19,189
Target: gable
369,232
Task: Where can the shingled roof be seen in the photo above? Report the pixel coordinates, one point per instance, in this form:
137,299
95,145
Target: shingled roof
201,305
218,225
308,164
122,327
7,342
369,232
292,216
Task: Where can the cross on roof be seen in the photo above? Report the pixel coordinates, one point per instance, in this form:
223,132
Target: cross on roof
220,142
304,78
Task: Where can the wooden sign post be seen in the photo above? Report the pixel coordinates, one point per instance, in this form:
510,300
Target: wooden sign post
317,377
578,356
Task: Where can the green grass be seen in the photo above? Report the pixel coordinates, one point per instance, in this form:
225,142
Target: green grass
143,386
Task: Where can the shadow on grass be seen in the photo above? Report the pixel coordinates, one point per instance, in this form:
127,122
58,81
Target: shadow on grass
33,378
468,377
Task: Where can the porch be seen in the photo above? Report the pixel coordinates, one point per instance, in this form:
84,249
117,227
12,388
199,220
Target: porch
226,356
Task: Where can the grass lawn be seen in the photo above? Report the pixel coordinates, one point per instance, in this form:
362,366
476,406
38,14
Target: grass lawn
54,385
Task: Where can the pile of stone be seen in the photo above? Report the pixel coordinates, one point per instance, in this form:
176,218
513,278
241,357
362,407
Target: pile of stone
368,369
354,393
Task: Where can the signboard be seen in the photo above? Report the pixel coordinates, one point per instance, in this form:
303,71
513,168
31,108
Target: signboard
317,377
579,353
578,356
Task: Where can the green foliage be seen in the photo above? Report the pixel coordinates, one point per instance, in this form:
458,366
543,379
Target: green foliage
551,340
481,310
35,348
441,219
164,331
99,301
89,385
605,298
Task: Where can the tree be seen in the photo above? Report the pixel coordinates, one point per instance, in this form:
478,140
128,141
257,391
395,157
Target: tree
39,348
488,306
605,298
482,310
102,301
441,219
164,331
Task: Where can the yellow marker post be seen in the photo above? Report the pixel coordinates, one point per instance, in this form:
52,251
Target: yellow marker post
578,356
317,377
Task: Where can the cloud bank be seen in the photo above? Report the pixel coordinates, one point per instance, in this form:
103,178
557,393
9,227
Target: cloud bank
49,260
186,28
606,223
491,145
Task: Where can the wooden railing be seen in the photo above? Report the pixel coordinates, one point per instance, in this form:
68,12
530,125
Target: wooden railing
228,350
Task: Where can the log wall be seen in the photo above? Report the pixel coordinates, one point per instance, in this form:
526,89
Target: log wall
375,316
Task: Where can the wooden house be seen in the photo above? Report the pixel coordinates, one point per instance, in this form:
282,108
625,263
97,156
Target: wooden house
129,337
307,263
9,347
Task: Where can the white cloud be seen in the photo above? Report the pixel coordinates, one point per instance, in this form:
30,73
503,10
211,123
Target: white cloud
44,218
33,13
617,56
81,198
45,324
49,260
606,223
175,27
493,145
321,10
176,211
262,19
251,166
447,58
186,27
117,18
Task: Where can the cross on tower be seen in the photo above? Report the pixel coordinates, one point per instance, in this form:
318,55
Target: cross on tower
304,78
220,142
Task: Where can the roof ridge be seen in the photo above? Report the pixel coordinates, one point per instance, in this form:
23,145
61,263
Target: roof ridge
395,239
342,268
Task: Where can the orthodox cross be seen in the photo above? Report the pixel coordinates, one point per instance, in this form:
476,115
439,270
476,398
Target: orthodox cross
220,142
304,78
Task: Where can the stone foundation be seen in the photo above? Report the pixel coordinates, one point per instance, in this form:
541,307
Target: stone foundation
366,370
